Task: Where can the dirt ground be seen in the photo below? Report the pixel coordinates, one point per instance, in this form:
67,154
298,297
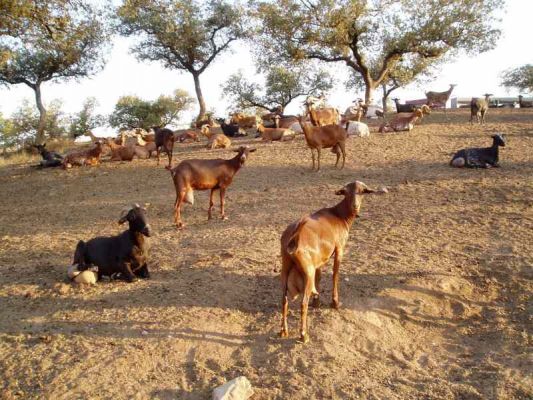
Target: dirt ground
435,286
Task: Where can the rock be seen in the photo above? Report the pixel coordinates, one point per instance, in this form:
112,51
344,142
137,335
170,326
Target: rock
237,389
89,276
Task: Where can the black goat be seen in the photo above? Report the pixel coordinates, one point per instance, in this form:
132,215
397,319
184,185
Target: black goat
164,140
401,108
50,158
230,130
123,256
479,157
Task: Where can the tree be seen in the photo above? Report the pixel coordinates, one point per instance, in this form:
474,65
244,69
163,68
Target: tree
186,35
282,86
50,41
134,112
86,120
520,78
372,37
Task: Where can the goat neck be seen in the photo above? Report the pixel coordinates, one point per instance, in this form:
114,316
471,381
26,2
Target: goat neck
345,210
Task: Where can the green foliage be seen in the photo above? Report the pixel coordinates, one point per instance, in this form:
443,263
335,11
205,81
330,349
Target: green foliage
520,78
371,38
49,41
283,85
86,119
134,112
181,34
23,124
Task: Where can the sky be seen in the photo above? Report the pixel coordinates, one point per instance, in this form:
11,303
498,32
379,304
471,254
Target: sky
124,75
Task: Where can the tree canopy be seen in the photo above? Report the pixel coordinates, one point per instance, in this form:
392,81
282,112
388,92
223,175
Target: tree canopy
372,37
520,78
47,41
282,85
186,35
86,119
134,112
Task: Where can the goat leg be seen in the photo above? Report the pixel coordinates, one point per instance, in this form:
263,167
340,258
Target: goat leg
316,297
318,158
313,157
127,273
222,194
143,272
304,335
177,209
336,266
211,204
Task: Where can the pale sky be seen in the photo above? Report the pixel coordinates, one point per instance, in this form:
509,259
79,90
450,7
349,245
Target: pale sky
124,75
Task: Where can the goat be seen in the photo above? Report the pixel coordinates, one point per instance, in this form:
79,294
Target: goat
84,157
354,113
479,157
124,255
145,152
164,140
230,130
243,121
321,116
197,174
271,134
208,131
308,244
218,141
183,135
120,152
50,158
478,108
437,98
405,122
356,128
524,104
403,108
319,137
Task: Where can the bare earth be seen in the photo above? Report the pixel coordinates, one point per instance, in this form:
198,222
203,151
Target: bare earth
435,286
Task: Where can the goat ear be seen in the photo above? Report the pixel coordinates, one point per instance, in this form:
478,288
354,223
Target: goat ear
124,216
341,192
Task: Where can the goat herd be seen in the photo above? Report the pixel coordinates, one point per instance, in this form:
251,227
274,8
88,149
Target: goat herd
306,245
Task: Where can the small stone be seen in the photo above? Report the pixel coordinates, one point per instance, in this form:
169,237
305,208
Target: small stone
237,389
144,333
383,189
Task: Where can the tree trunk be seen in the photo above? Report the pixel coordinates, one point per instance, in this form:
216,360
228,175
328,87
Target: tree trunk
385,98
369,90
199,96
42,113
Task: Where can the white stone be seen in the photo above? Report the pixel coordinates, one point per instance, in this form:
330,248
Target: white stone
237,389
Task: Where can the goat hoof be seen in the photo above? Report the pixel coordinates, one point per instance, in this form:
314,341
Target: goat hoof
304,338
284,333
180,225
224,218
335,304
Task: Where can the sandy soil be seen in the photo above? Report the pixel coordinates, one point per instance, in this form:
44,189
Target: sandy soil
435,286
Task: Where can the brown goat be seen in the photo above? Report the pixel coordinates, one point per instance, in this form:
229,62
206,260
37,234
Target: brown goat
120,153
209,131
402,122
145,152
183,135
84,157
271,134
320,137
164,140
218,141
196,174
244,121
308,244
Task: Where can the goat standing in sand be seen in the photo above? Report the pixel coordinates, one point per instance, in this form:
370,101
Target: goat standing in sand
308,244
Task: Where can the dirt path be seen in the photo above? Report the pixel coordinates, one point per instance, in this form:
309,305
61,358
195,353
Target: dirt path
435,287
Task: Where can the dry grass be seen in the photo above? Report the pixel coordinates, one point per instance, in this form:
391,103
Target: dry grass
435,286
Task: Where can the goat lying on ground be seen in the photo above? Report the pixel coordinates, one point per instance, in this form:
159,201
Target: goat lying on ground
479,157
145,152
271,134
218,141
320,137
119,152
308,244
50,158
124,256
230,130
215,174
210,131
405,122
183,135
84,157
